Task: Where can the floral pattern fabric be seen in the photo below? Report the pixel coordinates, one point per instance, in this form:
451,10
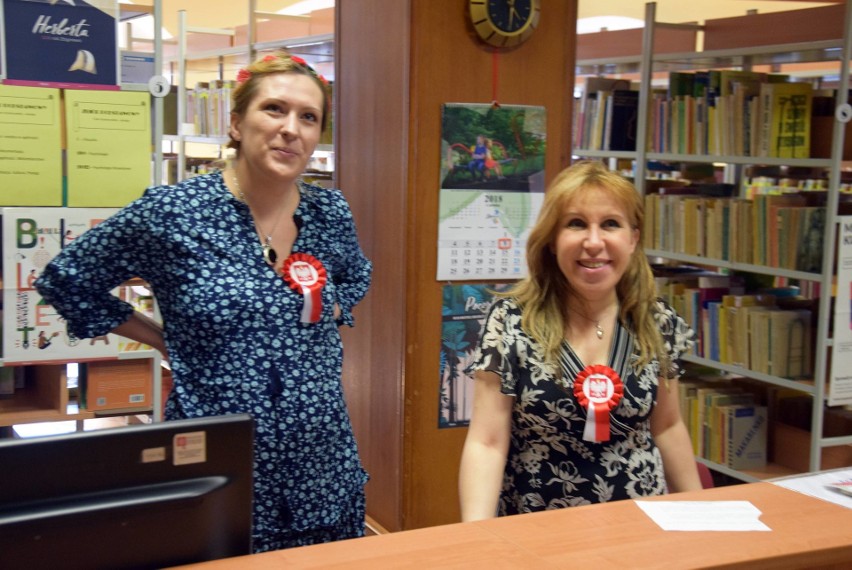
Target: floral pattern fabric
233,332
549,464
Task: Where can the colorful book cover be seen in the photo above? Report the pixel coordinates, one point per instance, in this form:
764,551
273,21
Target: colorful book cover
69,44
32,329
787,119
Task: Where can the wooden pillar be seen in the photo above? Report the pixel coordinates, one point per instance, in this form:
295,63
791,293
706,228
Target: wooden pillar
398,61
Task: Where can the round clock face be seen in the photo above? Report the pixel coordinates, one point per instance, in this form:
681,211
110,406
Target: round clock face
504,23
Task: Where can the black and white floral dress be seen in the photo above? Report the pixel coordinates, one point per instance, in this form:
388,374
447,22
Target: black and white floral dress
549,464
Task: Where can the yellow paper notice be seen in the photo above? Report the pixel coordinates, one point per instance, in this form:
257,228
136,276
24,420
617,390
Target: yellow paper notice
109,147
30,147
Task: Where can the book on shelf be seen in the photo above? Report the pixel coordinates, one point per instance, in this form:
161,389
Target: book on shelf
734,326
715,432
765,223
789,343
809,237
624,120
786,124
595,106
746,435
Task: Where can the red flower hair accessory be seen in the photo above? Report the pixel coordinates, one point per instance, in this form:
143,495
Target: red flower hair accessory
243,75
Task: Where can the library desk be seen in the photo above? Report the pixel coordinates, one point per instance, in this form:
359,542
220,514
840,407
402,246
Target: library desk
806,533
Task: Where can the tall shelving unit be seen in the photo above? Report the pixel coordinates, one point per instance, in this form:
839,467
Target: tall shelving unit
46,398
643,66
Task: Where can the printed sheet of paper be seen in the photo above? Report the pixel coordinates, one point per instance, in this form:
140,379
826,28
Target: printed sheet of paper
30,147
109,147
704,515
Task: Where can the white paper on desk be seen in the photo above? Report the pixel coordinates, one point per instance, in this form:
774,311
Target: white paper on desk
704,515
819,485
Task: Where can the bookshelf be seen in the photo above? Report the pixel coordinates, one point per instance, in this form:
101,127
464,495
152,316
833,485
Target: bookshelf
45,396
39,391
647,60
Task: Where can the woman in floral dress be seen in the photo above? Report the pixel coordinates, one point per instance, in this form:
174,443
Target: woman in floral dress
576,398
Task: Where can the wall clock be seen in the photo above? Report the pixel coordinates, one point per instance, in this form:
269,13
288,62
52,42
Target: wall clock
504,23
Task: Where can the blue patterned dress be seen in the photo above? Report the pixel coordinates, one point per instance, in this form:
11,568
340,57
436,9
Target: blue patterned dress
234,337
549,464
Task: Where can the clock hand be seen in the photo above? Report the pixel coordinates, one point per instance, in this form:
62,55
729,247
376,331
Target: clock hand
512,13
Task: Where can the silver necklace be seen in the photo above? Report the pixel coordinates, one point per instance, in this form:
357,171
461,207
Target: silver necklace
270,256
599,331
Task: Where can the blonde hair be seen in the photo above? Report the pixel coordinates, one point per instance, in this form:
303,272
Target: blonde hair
280,62
543,293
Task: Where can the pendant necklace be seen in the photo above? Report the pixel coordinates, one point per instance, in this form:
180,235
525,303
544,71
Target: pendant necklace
599,331
270,256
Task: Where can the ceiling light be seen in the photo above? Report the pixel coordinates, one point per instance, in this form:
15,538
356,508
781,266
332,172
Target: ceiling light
611,23
306,7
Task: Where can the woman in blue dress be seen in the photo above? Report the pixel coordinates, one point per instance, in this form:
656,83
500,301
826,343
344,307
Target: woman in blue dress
575,394
253,271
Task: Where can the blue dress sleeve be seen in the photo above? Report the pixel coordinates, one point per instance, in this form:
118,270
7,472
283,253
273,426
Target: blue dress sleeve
353,276
78,282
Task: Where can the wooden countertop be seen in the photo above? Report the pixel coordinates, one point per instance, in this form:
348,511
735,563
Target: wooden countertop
806,532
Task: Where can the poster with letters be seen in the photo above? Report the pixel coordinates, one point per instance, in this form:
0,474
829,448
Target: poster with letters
32,330
69,44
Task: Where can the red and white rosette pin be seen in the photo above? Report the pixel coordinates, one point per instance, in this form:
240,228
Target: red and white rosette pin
598,388
306,275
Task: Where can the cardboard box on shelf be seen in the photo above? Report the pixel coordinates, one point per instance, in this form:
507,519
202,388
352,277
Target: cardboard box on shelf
118,385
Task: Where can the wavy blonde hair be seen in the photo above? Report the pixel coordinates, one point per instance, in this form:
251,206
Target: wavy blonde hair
544,292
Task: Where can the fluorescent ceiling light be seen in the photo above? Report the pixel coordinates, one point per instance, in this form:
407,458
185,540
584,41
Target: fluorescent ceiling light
597,23
306,7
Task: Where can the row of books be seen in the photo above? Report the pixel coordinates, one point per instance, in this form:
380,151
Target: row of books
208,107
606,115
719,112
782,230
772,333
727,424
732,112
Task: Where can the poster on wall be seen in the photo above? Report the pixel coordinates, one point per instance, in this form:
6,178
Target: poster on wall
30,147
492,188
840,389
32,330
464,310
109,147
70,44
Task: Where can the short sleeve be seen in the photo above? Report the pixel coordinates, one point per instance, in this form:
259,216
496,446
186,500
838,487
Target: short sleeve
678,336
497,349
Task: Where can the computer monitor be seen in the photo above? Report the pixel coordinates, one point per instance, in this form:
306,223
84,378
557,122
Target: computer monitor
142,496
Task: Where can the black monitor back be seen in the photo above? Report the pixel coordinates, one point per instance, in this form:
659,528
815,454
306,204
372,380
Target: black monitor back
144,496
